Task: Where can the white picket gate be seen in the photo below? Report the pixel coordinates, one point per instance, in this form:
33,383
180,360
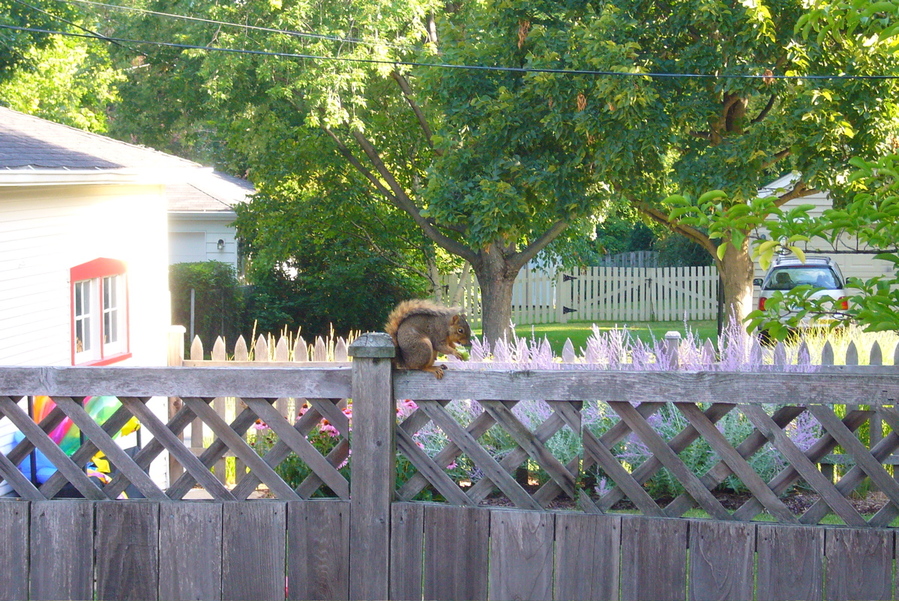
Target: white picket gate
598,294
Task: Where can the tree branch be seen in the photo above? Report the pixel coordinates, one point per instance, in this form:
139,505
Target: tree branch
419,114
401,200
764,112
690,232
519,259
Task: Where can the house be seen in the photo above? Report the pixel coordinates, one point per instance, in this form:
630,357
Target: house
83,248
201,214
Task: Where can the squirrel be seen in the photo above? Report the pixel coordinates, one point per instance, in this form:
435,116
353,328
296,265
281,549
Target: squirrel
421,329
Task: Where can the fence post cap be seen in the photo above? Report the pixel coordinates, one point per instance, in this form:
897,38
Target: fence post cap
374,345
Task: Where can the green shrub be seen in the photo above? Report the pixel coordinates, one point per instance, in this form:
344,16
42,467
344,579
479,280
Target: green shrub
218,305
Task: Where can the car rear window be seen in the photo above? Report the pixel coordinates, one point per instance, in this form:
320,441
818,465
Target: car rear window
786,278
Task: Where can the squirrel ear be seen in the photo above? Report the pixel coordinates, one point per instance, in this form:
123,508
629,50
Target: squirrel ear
455,319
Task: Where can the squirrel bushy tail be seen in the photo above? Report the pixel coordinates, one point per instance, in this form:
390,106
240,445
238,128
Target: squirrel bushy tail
421,330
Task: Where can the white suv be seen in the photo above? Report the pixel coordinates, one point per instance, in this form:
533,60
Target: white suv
819,273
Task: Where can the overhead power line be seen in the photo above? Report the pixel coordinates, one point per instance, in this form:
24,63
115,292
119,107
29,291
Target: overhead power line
375,61
296,34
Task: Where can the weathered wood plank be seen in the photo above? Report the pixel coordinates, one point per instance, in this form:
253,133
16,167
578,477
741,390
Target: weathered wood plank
127,550
62,550
653,559
258,381
318,543
587,557
521,555
859,564
721,560
871,387
789,563
456,543
14,520
374,459
254,551
190,559
406,551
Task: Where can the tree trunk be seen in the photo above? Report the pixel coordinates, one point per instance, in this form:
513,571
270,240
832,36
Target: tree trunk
496,276
737,270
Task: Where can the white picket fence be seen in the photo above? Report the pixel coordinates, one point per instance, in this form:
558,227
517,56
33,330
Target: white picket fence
597,294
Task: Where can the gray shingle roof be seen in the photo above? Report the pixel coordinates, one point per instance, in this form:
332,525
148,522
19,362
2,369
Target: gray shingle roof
28,142
208,192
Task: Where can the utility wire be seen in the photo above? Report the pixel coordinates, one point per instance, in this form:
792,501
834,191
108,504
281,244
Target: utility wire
526,70
296,34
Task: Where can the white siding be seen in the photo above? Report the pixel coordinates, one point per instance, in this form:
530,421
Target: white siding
45,231
194,238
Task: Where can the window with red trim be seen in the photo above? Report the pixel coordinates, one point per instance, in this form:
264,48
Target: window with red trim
99,312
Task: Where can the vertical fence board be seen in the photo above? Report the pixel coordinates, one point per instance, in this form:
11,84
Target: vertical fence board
62,550
789,562
721,560
318,544
127,550
190,559
587,557
14,517
456,542
859,564
253,555
374,460
521,555
406,551
653,559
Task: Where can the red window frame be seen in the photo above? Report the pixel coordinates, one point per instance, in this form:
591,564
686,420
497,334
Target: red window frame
95,271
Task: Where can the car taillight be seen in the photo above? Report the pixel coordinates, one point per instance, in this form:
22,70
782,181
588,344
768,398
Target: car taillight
762,300
843,303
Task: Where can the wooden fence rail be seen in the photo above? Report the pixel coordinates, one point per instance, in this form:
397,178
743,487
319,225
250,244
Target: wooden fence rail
491,536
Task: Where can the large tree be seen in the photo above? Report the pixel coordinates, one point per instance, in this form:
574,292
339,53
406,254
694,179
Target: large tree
472,158
497,128
722,96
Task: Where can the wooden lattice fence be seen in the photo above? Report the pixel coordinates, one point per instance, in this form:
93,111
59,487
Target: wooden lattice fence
491,536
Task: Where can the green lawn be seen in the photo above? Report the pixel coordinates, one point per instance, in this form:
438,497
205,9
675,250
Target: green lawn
578,332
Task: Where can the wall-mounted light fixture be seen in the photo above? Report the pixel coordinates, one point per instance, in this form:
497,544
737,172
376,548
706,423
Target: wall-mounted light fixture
220,244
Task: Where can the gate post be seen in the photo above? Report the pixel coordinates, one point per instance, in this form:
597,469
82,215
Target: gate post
373,471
